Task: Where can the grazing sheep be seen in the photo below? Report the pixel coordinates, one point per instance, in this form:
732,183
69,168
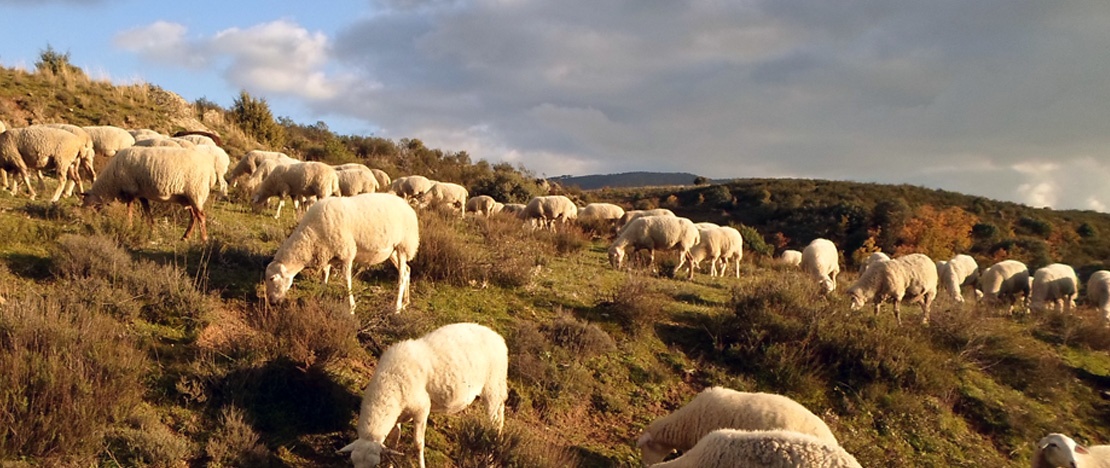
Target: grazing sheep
169,142
1060,451
369,228
956,273
446,194
1098,293
176,175
1056,284
141,134
410,187
108,140
250,161
355,179
481,205
443,371
912,277
383,179
875,257
631,215
1005,281
298,181
514,209
712,241
197,139
653,233
545,211
729,448
85,160
723,408
220,162
821,261
263,170
607,213
497,208
27,149
791,257
733,251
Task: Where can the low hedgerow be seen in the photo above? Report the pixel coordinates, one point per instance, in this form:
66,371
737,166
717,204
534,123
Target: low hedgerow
68,374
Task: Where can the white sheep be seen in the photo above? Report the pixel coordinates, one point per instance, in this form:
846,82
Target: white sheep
873,258
27,149
514,209
443,371
250,161
197,139
729,448
176,175
1006,281
355,179
545,211
653,233
108,140
791,257
446,194
733,250
299,181
723,408
85,159
382,178
481,205
141,134
631,215
956,273
1098,293
410,187
602,213
821,261
712,241
369,228
220,162
170,142
1060,451
1056,284
911,277
263,170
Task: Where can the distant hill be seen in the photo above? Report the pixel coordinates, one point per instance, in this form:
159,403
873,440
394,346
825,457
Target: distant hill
626,179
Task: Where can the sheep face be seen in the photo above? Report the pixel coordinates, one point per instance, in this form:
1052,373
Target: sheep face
828,284
364,453
652,452
858,301
1060,450
278,281
616,257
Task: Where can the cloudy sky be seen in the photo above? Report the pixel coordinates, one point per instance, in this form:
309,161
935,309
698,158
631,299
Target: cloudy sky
1008,99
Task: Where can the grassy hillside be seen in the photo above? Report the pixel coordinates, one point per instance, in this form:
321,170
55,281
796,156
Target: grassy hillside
123,346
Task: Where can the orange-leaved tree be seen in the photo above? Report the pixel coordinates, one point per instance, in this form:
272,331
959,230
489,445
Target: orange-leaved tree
940,234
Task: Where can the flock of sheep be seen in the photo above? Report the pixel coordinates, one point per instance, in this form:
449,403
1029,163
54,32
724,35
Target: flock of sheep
350,219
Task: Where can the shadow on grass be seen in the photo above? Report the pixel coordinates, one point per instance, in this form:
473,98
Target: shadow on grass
32,267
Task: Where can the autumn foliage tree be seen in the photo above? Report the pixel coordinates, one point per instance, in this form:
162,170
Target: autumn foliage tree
940,234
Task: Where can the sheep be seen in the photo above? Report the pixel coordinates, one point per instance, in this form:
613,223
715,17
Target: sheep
514,209
1098,293
446,194
1056,284
653,233
169,142
733,250
141,134
1005,281
723,408
727,448
1058,450
197,139
443,371
497,208
85,160
821,261
601,215
481,205
912,277
545,211
355,179
108,140
370,228
873,258
298,181
250,161
263,170
410,187
791,258
631,215
177,175
33,148
382,178
220,162
712,241
956,273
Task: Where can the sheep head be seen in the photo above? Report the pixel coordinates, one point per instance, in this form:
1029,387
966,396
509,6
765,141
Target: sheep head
828,284
367,453
1060,450
278,281
616,257
651,451
858,301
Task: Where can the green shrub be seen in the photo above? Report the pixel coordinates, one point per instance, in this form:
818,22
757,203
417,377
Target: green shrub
234,442
477,444
635,305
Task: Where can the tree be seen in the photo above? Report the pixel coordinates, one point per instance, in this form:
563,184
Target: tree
56,63
254,117
940,234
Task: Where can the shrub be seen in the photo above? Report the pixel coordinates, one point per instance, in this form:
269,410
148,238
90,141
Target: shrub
754,242
144,440
582,339
234,442
478,444
635,305
310,333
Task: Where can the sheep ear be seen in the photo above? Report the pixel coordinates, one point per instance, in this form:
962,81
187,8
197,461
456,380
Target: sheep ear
391,451
349,448
1081,449
644,439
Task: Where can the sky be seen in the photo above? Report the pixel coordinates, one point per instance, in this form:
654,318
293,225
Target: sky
1007,99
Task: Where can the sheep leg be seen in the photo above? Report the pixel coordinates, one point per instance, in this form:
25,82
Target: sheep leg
27,182
327,272
281,203
897,311
146,211
63,179
203,218
192,222
348,266
926,306
421,423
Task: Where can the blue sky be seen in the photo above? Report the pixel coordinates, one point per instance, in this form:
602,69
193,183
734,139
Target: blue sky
999,98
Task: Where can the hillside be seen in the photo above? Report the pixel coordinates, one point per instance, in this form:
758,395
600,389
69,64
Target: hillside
625,180
124,346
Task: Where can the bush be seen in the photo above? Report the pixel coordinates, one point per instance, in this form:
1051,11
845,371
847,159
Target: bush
144,440
479,445
635,305
310,333
68,374
754,241
235,443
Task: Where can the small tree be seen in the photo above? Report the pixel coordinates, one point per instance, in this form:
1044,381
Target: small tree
254,117
56,63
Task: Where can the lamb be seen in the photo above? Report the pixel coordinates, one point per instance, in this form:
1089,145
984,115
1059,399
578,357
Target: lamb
481,205
1005,281
875,257
629,216
382,178
177,175
912,277
298,181
410,187
956,273
108,140
1055,283
355,179
443,371
33,148
1098,293
821,261
446,194
370,228
1058,450
726,448
250,161
653,233
545,211
790,257
722,408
